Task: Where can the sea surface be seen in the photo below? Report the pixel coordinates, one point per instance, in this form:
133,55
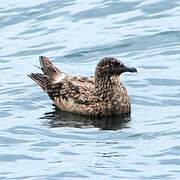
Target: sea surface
37,141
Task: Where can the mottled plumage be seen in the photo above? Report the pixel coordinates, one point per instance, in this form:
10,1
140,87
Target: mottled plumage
103,94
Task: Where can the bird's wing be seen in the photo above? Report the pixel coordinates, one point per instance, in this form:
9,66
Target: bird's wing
49,70
80,90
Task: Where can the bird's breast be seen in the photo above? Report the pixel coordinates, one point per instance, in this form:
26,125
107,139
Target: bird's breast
120,101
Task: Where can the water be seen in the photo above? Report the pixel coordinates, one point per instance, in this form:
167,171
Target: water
39,142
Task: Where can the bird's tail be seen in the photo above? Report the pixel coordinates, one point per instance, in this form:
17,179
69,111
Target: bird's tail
40,79
49,69
50,75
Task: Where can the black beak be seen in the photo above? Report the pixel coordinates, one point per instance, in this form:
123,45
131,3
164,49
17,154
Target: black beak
129,69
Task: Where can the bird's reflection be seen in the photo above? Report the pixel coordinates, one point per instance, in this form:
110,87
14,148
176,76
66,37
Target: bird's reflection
58,118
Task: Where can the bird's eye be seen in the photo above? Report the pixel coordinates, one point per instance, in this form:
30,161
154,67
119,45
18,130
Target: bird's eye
115,63
111,68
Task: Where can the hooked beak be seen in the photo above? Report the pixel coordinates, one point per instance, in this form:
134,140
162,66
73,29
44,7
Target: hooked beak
129,69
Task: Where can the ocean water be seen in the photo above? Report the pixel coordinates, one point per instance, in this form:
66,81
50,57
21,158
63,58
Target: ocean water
39,142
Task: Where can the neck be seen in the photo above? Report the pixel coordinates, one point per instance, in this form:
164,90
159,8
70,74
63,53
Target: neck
106,86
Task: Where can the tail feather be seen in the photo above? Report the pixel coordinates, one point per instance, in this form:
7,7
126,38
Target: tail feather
51,75
40,79
49,69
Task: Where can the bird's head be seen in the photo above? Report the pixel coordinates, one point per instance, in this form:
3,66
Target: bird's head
111,66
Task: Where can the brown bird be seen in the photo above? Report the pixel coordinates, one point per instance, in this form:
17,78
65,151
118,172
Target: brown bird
101,95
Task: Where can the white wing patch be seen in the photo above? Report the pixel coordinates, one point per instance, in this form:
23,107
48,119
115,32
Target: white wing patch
60,77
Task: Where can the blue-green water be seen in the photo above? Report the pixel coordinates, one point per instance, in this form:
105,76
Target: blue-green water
39,142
